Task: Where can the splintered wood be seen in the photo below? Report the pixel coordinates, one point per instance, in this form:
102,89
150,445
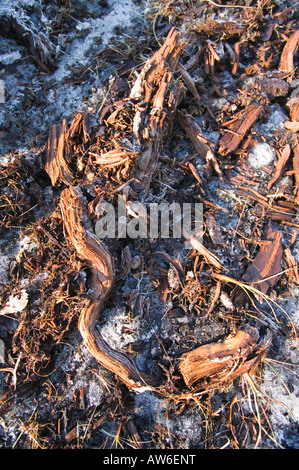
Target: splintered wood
156,103
287,56
55,165
216,363
201,145
237,127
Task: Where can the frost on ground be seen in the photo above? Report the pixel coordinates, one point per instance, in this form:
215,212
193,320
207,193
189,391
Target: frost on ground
35,100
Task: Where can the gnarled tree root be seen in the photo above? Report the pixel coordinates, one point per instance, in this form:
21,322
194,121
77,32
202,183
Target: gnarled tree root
97,257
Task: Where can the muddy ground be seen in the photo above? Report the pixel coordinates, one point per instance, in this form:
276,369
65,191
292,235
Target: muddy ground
54,394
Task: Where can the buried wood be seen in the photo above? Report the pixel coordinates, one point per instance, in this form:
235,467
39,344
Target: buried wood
216,363
100,263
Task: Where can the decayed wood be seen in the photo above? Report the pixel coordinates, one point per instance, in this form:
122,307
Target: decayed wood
201,145
220,362
202,250
265,269
78,126
237,128
270,86
292,265
100,262
113,158
156,103
55,164
287,56
282,160
189,82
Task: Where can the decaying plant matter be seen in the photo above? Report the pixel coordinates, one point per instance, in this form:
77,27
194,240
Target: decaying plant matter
218,363
155,104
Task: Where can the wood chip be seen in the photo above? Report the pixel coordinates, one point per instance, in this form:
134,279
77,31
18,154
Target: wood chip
55,164
292,266
280,164
287,56
296,168
238,127
265,269
219,362
201,144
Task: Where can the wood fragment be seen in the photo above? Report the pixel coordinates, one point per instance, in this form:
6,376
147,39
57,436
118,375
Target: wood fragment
55,164
293,104
237,58
292,265
189,82
157,100
89,248
280,164
220,362
287,56
201,145
202,250
265,269
238,127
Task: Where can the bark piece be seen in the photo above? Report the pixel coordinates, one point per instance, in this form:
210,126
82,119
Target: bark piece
272,87
292,264
89,248
55,165
287,56
216,363
267,263
238,127
280,164
293,104
265,269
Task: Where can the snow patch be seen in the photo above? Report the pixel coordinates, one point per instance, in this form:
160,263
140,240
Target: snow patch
261,155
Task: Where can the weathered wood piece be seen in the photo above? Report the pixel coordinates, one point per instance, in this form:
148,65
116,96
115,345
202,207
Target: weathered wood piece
98,259
287,56
265,269
280,164
55,164
201,144
237,127
216,363
156,98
